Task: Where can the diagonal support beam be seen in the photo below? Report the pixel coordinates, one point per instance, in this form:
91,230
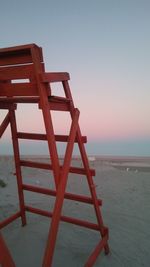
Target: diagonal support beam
4,124
49,252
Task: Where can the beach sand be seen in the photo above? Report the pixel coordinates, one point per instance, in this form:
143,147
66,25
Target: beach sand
124,187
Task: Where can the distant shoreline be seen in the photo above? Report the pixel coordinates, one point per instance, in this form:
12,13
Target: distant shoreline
93,157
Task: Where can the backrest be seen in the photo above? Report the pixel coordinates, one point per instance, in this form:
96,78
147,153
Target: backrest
18,70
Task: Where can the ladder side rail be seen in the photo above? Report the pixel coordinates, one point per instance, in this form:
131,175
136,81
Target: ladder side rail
84,156
87,168
103,230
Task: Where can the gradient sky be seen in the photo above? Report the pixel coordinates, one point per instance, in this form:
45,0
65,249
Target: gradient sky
105,46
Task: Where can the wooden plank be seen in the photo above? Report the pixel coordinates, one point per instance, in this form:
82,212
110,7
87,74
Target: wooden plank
18,48
17,72
57,106
57,99
4,105
35,136
18,89
70,196
59,103
18,54
49,77
64,219
12,59
46,166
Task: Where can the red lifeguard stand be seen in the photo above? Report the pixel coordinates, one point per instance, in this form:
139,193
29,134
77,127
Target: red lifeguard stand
26,62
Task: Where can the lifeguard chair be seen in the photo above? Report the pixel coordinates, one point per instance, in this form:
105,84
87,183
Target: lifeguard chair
26,62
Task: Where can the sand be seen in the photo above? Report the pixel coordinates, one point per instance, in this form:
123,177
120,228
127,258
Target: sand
122,184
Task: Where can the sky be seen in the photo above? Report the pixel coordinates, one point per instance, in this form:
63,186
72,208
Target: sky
105,46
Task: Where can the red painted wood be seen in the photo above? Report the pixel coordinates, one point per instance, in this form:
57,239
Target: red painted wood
19,54
10,219
70,196
6,101
46,166
4,124
58,138
18,89
92,259
17,72
37,90
44,104
71,220
5,256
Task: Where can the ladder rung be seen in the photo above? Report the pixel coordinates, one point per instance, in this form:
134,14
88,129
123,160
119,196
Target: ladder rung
64,218
35,136
47,166
51,192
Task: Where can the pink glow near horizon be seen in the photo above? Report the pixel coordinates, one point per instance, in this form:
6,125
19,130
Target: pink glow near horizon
106,51
104,126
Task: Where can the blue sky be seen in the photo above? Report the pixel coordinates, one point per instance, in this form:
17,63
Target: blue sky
104,45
